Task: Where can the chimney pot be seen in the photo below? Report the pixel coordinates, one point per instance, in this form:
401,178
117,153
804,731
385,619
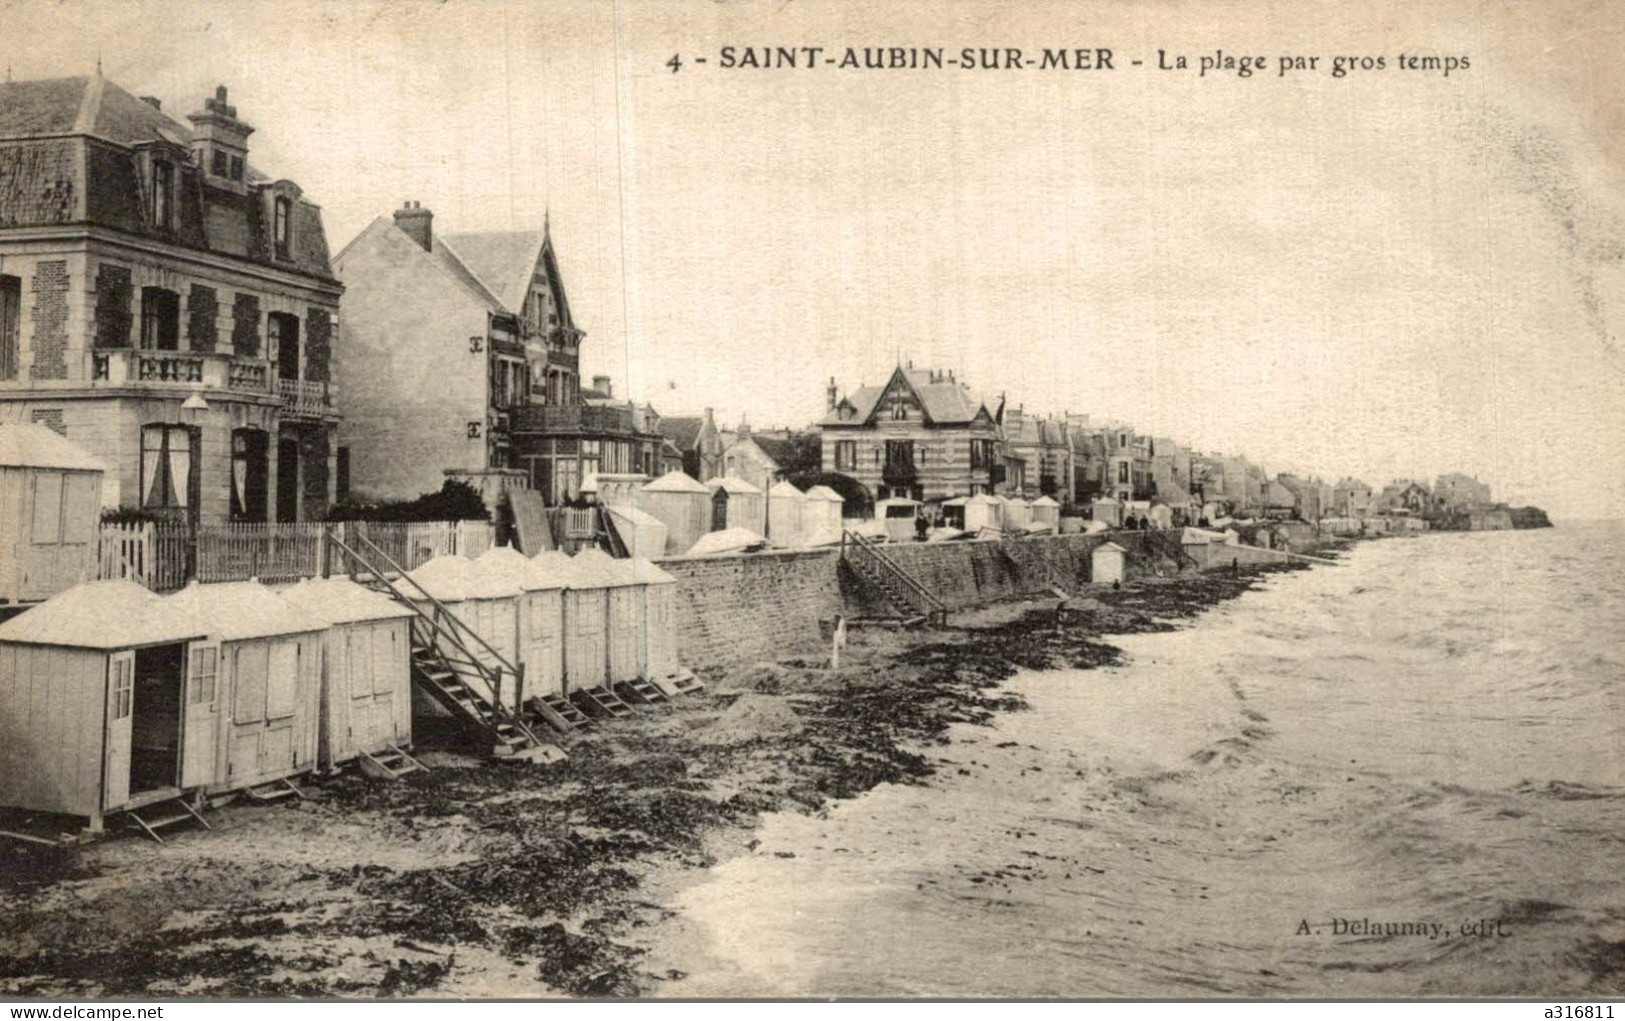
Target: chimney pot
604,385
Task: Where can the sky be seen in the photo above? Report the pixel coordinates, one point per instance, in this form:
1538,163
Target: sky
1386,274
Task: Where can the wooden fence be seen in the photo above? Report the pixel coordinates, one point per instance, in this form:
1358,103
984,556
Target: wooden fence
164,556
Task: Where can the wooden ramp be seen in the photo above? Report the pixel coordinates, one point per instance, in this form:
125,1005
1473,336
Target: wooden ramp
530,522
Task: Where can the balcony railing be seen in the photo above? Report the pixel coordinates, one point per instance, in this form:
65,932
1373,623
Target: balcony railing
572,418
303,397
213,371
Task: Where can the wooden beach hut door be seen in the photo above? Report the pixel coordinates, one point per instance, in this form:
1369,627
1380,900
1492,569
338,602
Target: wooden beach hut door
199,732
120,707
267,681
377,657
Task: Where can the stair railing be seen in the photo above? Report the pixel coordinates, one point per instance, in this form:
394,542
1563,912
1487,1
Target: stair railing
491,675
864,553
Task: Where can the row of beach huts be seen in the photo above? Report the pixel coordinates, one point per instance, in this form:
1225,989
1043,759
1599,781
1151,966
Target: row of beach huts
676,516
116,701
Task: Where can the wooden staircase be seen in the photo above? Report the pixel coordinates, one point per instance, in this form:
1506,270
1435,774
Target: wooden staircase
164,814
559,713
447,682
640,692
390,763
601,701
679,684
902,590
445,663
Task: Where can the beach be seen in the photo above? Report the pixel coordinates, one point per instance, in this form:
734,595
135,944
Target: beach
1146,790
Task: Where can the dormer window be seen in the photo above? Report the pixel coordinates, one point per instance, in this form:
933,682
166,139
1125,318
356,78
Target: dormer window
221,165
236,168
281,228
163,187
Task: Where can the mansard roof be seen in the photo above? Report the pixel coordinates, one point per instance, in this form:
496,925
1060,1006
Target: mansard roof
71,141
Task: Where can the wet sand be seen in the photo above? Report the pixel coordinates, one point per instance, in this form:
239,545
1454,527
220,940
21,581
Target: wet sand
515,879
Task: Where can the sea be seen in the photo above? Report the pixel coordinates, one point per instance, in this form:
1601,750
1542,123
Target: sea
1399,776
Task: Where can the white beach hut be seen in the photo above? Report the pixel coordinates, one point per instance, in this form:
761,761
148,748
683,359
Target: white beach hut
1015,514
822,521
586,617
625,609
542,622
366,669
643,534
1107,564
268,680
682,504
50,513
736,503
1047,511
658,658
786,516
82,674
492,610
1108,511
897,516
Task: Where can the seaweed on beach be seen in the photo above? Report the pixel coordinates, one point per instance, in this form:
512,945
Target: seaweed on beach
544,864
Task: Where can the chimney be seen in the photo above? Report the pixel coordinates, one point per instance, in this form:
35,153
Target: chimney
219,140
153,101
604,385
831,395
417,223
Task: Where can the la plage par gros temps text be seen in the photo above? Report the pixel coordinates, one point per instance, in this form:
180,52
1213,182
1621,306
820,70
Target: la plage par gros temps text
1076,58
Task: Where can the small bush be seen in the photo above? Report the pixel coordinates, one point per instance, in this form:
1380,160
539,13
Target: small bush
456,501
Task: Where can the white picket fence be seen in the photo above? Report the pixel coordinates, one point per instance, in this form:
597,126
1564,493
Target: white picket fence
163,557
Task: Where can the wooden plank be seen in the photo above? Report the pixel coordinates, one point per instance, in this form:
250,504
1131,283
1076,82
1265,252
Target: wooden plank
530,521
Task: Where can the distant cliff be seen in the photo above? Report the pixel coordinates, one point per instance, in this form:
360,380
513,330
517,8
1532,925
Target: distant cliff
1530,517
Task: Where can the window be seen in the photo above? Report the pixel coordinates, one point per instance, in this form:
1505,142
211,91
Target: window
1122,440
236,168
250,474
205,671
899,412
167,479
899,453
163,190
981,454
221,164
11,304
123,688
284,209
282,335
160,319
1122,471
846,455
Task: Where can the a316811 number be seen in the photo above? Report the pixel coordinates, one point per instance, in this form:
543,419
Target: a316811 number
1581,1013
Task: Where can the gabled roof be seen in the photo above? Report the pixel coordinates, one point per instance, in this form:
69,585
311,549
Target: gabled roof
504,262
780,452
945,401
29,445
101,615
682,430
